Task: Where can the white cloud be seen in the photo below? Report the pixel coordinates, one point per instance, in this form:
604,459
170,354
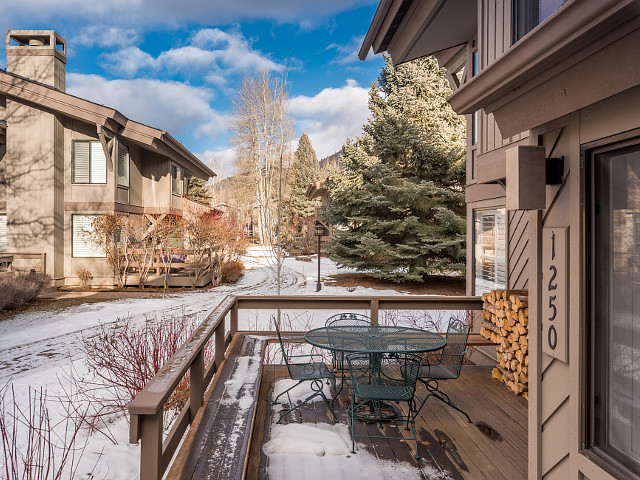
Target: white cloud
346,54
172,106
129,61
220,161
106,36
149,13
331,116
210,49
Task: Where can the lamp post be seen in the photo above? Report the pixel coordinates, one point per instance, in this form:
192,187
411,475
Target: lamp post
319,231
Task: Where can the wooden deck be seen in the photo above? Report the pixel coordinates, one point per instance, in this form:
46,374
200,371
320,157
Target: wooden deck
493,447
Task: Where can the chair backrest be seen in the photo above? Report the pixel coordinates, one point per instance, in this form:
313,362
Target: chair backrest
348,319
379,371
282,349
453,351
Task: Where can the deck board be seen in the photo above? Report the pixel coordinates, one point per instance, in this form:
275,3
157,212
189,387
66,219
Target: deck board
447,441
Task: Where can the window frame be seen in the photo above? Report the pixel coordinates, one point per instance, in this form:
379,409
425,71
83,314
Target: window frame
476,211
525,16
73,164
3,220
597,379
73,232
177,180
127,167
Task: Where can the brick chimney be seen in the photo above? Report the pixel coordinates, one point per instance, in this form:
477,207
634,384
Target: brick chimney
39,55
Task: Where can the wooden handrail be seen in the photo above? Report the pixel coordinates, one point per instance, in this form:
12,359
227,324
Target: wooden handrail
146,408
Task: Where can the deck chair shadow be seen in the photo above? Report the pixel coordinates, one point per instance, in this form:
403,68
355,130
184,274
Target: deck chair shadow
449,365
380,378
315,372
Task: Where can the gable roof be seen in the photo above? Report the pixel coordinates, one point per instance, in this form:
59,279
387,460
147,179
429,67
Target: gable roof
45,96
410,29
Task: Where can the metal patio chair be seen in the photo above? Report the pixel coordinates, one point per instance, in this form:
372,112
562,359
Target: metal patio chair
315,372
379,378
449,365
345,320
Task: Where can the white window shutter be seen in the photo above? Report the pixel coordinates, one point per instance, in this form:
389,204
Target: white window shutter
123,165
81,162
82,244
98,163
3,233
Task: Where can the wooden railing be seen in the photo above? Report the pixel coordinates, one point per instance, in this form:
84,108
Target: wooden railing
146,409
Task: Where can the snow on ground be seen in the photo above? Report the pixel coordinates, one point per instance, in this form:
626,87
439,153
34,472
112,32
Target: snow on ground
36,347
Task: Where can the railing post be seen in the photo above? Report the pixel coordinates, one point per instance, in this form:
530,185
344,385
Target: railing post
233,319
151,446
196,385
219,344
374,310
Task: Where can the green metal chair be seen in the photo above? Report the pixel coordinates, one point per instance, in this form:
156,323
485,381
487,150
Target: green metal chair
345,320
449,366
379,378
315,372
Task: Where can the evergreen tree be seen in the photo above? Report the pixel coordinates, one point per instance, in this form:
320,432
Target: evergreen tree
199,191
305,171
398,207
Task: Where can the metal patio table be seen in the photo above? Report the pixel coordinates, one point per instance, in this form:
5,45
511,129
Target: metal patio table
374,340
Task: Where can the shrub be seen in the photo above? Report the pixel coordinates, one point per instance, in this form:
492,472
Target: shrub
85,277
33,446
21,288
232,271
122,357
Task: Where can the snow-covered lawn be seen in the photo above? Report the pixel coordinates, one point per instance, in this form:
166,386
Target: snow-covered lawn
35,348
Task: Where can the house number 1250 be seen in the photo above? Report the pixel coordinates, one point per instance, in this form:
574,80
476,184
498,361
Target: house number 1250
553,334
554,271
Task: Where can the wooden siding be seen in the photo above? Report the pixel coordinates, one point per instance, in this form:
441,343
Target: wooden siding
29,161
518,250
58,200
494,39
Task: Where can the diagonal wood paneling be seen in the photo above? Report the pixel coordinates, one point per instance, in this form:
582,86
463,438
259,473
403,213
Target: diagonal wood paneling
555,441
556,374
518,250
561,471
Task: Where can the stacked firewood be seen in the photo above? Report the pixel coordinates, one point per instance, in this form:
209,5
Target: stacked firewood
505,321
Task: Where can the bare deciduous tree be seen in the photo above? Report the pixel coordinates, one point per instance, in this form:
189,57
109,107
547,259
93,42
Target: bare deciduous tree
262,130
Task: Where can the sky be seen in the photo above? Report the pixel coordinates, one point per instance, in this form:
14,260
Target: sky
176,64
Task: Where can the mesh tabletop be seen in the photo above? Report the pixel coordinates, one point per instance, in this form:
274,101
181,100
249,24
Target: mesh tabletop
374,339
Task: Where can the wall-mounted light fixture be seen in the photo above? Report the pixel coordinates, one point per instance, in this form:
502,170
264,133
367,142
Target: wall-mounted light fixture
528,172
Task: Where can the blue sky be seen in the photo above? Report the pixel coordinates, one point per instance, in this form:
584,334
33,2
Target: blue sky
175,65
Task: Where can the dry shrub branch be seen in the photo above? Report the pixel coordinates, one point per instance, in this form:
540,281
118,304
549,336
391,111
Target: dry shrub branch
19,289
34,447
124,356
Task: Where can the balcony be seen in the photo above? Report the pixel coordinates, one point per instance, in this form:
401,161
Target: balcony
230,416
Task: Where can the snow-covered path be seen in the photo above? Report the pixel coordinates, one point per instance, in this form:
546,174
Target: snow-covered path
36,347
46,339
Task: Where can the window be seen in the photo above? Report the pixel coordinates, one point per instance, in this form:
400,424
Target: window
82,245
615,306
489,250
176,179
89,163
3,233
528,14
123,165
